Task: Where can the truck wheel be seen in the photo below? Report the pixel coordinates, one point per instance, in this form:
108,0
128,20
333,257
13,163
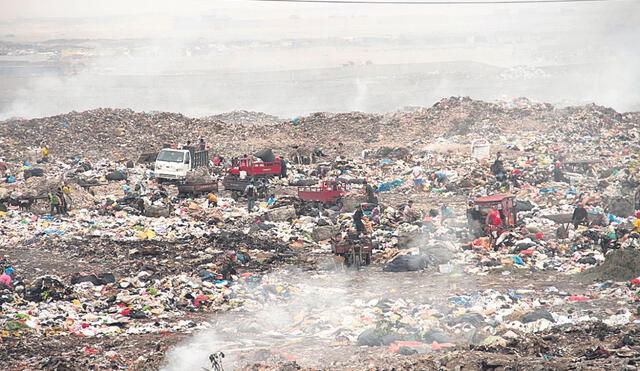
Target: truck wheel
357,261
348,259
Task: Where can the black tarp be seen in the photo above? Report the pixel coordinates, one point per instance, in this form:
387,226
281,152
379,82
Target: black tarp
265,155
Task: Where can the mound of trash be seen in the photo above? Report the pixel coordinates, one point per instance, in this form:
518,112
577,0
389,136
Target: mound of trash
126,133
619,265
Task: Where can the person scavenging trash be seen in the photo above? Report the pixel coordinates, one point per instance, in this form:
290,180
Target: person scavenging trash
408,213
580,216
250,193
497,168
417,174
212,200
558,174
474,219
445,213
262,189
5,278
66,195
357,219
494,223
44,153
54,202
370,193
63,202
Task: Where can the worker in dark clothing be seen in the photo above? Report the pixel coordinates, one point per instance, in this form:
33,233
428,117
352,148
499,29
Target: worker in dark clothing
62,204
357,219
370,193
474,220
558,174
202,146
580,216
250,192
140,205
262,188
497,168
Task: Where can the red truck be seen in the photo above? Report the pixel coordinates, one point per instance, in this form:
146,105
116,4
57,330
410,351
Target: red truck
261,168
326,193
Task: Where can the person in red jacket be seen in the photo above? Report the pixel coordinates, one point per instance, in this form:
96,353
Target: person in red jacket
493,218
494,224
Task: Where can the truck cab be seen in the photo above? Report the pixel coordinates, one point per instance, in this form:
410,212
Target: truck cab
174,164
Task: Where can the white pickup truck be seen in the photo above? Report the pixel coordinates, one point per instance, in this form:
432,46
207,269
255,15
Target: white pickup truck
174,164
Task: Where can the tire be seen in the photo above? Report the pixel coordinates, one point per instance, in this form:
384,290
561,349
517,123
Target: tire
357,260
348,259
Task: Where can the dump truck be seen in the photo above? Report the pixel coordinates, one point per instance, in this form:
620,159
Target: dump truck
326,193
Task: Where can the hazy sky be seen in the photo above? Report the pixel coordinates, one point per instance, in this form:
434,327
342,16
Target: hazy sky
246,38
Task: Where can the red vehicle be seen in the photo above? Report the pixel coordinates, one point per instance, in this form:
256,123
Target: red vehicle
506,205
355,253
326,193
261,168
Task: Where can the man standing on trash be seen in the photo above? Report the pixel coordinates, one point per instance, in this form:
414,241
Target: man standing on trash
202,145
558,175
44,152
417,177
62,205
497,168
66,195
357,219
54,201
250,193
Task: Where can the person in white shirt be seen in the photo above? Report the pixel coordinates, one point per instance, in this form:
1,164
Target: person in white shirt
417,177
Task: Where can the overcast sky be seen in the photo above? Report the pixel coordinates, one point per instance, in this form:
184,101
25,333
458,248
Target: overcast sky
254,37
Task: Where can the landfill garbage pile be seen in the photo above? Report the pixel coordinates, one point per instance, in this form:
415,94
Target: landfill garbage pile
375,243
126,133
247,118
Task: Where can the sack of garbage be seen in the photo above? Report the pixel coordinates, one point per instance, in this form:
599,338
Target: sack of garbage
157,211
116,175
265,155
37,172
406,263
